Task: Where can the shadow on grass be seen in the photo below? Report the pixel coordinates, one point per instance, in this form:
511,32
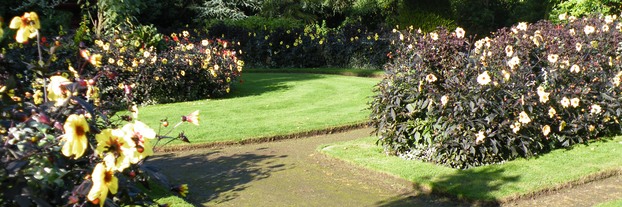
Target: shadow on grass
254,84
471,187
211,177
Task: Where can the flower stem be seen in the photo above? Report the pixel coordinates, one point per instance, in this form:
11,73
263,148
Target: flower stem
45,83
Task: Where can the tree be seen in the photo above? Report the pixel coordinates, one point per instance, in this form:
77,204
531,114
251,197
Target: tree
222,9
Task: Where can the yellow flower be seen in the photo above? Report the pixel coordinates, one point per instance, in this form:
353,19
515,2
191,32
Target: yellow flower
103,182
96,60
522,26
565,102
562,125
75,138
192,118
181,189
141,135
563,16
431,78
609,19
444,100
595,109
515,127
588,29
459,32
514,62
553,58
524,118
591,128
509,50
92,93
27,26
544,97
546,129
57,89
575,68
118,148
574,102
552,112
506,75
434,36
484,78
578,46
38,97
479,137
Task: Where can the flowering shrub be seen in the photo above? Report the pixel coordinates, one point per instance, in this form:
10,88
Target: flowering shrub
527,90
186,69
58,147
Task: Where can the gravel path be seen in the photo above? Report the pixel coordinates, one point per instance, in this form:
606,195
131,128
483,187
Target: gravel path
293,173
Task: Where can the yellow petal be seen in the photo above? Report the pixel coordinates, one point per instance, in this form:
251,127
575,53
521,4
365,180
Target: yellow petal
16,23
33,33
113,185
22,35
35,18
67,148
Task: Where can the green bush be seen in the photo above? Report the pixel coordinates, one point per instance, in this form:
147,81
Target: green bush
286,44
527,90
581,8
188,68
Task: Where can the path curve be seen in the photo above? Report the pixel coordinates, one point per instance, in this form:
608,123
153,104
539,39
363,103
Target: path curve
292,173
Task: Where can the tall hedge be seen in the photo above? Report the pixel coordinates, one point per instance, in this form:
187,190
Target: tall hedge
526,90
281,44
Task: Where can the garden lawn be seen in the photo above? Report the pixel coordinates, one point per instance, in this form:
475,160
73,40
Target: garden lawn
270,104
615,203
499,182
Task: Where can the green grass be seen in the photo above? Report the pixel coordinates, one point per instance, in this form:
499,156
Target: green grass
614,203
270,104
163,195
335,71
493,182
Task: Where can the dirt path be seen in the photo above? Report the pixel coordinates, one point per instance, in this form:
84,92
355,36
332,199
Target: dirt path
293,173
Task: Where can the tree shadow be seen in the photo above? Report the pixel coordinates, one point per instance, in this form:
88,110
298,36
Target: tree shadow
254,84
214,177
471,187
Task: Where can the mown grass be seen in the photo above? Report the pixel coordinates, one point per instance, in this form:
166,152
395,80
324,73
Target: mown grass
271,104
324,70
163,195
614,203
499,182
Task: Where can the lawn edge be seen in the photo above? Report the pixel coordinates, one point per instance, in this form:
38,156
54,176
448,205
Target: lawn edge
297,135
422,188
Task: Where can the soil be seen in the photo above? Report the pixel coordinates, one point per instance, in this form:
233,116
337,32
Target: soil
292,173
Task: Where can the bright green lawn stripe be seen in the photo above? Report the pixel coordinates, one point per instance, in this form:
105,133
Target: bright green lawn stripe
615,203
493,182
268,104
336,71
